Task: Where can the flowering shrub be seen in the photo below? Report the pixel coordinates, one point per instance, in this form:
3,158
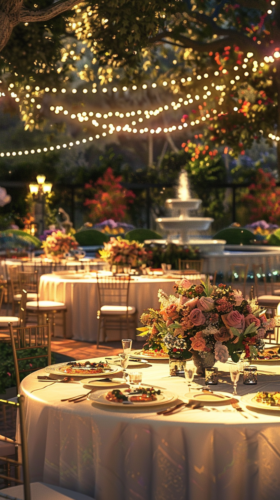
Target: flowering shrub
110,198
121,252
170,254
204,319
263,198
111,227
58,243
261,227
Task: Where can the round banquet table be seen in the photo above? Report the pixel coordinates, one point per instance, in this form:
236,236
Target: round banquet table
81,298
131,454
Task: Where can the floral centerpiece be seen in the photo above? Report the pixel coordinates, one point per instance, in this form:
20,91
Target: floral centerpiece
58,244
123,253
205,323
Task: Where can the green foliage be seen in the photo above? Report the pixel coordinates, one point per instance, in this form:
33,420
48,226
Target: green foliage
170,254
7,372
91,237
28,239
205,168
141,235
235,236
274,238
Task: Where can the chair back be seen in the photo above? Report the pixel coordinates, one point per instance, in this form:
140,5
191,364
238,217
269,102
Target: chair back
29,344
14,277
1,294
190,265
260,279
239,273
16,471
113,290
29,281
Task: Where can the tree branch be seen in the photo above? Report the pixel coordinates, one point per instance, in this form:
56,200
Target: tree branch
32,16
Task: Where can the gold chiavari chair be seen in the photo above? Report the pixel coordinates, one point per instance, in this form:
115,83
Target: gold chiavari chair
239,273
16,285
19,320
27,341
17,474
190,265
114,312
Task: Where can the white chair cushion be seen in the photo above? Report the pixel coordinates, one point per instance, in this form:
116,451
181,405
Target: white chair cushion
42,491
30,296
45,305
5,320
7,447
117,310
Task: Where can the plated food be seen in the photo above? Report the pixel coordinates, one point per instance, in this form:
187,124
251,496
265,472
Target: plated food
84,368
268,398
150,354
132,398
271,354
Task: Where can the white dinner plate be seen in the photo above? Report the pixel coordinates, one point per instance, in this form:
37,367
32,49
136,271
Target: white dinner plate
211,398
56,370
114,382
163,398
248,401
142,355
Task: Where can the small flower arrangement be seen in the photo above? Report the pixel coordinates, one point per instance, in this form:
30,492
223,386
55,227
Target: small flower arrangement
109,226
58,244
204,319
119,252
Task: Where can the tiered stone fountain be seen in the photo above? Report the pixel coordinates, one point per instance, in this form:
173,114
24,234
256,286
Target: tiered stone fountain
183,223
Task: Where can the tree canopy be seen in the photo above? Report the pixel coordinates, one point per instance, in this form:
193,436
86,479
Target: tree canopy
217,59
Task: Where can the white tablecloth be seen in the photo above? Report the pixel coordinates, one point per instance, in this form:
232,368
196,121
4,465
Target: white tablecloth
81,299
127,454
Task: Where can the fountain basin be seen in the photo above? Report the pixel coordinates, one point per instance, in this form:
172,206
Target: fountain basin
184,224
191,204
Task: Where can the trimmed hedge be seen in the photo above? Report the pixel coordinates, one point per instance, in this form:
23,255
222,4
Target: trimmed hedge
28,238
91,237
141,235
235,236
274,238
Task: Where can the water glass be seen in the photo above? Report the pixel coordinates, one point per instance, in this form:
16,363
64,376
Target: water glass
189,370
211,376
164,268
234,375
124,359
135,378
126,345
250,375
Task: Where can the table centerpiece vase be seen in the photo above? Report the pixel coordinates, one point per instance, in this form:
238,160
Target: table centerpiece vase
202,361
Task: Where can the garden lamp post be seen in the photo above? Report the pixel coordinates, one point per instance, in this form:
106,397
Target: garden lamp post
39,192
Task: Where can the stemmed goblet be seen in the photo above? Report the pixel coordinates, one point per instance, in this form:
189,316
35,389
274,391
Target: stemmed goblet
189,374
124,359
234,375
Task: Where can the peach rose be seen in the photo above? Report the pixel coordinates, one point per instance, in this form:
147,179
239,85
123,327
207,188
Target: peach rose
238,297
192,303
184,283
223,335
197,317
198,343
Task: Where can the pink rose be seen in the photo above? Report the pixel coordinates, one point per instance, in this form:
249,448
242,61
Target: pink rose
234,319
198,343
221,352
205,304
223,335
252,319
183,300
238,297
184,283
261,333
197,317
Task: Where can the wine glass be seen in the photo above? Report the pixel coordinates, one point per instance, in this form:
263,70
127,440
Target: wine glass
124,358
234,375
189,374
126,345
135,378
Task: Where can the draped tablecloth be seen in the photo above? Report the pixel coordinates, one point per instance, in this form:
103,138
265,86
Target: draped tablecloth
81,298
132,454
